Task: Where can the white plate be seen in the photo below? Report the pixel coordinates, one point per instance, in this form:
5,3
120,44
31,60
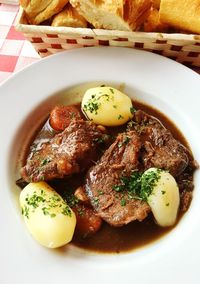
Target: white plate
167,85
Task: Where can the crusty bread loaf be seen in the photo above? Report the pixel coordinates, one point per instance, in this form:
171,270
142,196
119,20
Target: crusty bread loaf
38,11
125,15
182,14
69,17
156,4
153,23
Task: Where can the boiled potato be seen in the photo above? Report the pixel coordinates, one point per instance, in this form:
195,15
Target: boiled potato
107,106
48,218
164,199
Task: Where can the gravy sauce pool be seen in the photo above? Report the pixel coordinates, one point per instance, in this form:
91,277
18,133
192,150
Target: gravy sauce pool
136,234
127,238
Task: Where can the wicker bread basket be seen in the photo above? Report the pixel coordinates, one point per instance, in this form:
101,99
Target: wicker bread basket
46,40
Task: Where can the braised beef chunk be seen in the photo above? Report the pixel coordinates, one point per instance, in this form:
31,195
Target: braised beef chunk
68,152
159,148
186,185
114,207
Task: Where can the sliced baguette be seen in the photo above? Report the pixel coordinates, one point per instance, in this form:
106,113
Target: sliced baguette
184,15
125,15
156,4
153,23
38,11
69,17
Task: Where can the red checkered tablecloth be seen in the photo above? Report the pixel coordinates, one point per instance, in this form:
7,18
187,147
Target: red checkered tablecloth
15,51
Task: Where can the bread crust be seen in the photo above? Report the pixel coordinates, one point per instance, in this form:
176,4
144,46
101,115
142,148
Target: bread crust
38,11
184,15
69,17
156,4
124,15
153,23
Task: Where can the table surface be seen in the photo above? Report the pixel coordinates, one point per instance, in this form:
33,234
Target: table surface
15,51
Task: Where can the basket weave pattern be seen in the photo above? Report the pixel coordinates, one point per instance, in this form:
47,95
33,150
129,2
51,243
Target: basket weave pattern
48,40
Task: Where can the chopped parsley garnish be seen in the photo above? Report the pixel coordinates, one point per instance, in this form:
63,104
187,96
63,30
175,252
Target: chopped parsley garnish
105,95
138,127
138,185
45,162
99,140
167,204
132,110
25,211
80,211
70,198
100,192
118,187
96,200
45,210
120,116
103,139
123,202
131,184
92,105
112,91
148,181
124,142
66,211
34,200
39,199
42,177
131,124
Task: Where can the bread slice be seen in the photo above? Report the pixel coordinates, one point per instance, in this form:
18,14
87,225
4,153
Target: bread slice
125,15
38,11
69,17
153,23
181,14
156,4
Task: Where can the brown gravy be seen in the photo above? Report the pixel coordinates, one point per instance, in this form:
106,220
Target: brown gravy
130,237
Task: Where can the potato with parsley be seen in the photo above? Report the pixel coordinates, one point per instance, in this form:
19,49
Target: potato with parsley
164,198
107,106
48,218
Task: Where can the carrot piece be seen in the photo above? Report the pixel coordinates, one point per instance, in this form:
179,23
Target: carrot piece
87,222
61,116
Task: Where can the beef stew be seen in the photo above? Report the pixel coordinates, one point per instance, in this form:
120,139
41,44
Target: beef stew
90,165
